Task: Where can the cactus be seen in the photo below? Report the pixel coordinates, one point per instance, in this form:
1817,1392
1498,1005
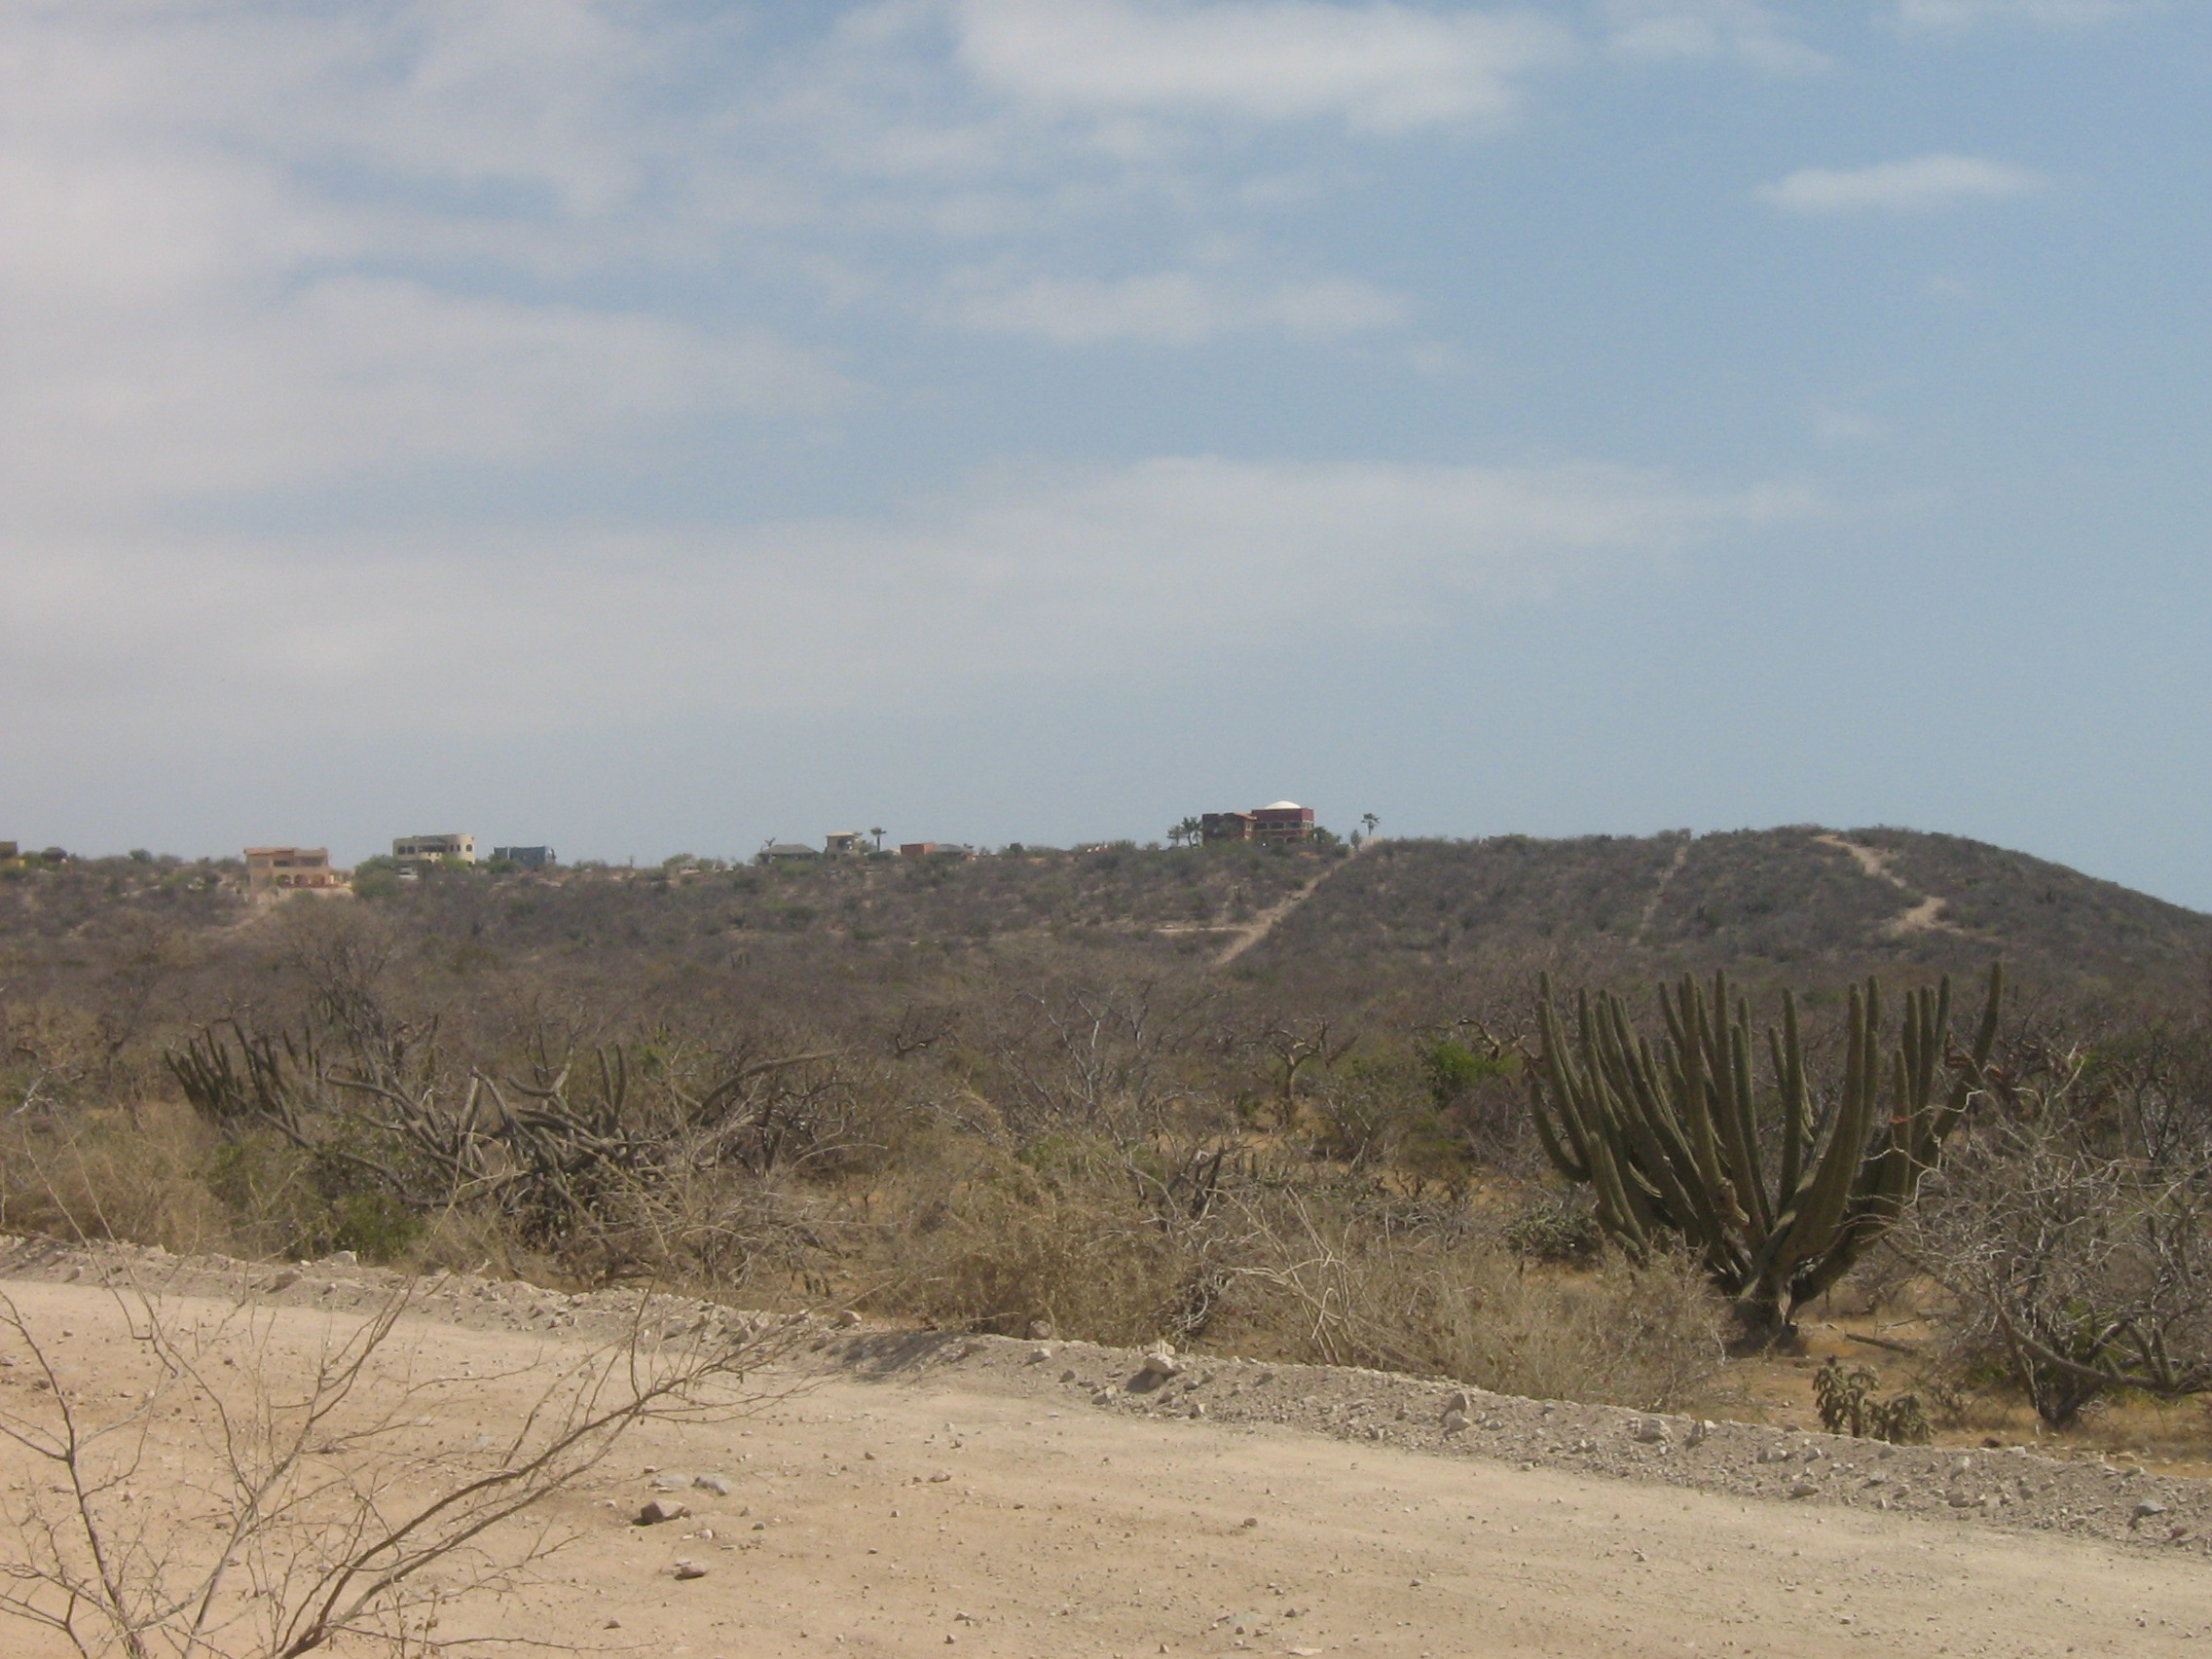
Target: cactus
1669,1143
1848,1405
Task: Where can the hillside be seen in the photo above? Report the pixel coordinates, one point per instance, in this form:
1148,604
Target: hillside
1800,904
1803,904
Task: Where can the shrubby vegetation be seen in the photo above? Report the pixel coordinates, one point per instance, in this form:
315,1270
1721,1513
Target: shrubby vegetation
1017,1092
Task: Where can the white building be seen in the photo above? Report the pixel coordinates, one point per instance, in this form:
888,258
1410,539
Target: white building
461,849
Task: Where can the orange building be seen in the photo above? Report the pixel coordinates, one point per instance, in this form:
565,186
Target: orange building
285,869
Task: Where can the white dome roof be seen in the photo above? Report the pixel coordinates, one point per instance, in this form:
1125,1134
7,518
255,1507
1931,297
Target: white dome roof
1283,806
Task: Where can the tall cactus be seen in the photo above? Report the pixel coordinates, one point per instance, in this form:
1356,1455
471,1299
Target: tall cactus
1670,1142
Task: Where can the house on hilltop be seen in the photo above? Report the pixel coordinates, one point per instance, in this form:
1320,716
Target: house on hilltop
1282,825
530,858
270,870
461,849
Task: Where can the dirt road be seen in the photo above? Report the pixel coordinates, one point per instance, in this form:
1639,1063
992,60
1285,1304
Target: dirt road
891,1509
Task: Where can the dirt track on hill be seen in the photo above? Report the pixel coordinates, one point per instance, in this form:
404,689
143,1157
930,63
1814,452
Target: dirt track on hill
920,1492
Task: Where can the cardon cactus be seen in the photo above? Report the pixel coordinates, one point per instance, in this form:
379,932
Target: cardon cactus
1670,1140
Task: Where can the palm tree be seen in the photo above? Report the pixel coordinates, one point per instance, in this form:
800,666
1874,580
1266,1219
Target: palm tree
878,834
1190,829
1370,821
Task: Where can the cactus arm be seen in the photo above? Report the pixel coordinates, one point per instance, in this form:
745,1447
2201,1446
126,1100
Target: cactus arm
1750,1178
1788,1058
1814,1227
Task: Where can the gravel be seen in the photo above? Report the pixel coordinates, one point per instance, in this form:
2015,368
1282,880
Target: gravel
2009,1489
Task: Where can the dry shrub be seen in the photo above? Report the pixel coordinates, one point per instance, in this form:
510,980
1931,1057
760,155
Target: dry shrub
991,1244
759,1238
134,1175
1648,1335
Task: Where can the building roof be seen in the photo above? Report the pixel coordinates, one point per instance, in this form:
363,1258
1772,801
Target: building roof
1283,806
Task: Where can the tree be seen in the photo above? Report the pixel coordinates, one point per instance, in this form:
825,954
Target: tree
1191,830
878,834
1370,821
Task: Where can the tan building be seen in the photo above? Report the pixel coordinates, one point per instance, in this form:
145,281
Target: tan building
461,849
286,869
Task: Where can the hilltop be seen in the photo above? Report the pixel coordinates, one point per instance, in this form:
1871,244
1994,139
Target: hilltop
1804,904
1801,904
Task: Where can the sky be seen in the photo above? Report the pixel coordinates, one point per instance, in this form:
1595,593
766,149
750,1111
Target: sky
654,425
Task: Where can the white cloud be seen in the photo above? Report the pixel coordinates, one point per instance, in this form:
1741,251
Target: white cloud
1174,308
1744,30
1958,14
353,375
1925,184
1377,66
243,246
1108,575
1834,424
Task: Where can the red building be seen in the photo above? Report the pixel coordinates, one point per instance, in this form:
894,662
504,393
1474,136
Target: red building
1281,825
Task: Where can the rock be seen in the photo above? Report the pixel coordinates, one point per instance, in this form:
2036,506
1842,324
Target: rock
2143,1511
1040,1330
718,1485
1455,1421
689,1569
848,1318
342,1259
1458,1401
284,1280
1699,1432
1161,1363
938,1477
1649,1431
611,1624
661,1509
1962,1500
669,1480
1038,1356
1251,1520
1068,1376
1803,1489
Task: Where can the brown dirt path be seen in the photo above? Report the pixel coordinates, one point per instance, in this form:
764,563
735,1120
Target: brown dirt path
970,1499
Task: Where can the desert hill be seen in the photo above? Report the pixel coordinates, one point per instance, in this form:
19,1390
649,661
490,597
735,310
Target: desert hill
1801,904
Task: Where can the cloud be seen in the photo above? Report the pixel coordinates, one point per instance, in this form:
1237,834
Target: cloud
1174,308
1099,576
1834,424
245,247
1378,67
1744,30
1959,14
1925,184
354,375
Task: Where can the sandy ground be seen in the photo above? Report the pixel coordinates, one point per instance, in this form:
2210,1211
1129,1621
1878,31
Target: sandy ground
916,1493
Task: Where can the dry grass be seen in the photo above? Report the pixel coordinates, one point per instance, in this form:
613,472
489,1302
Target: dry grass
1648,1335
135,1174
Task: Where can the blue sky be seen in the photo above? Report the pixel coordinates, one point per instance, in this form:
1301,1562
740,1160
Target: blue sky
660,426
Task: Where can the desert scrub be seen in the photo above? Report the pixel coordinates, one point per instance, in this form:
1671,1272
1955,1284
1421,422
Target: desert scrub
1646,1334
